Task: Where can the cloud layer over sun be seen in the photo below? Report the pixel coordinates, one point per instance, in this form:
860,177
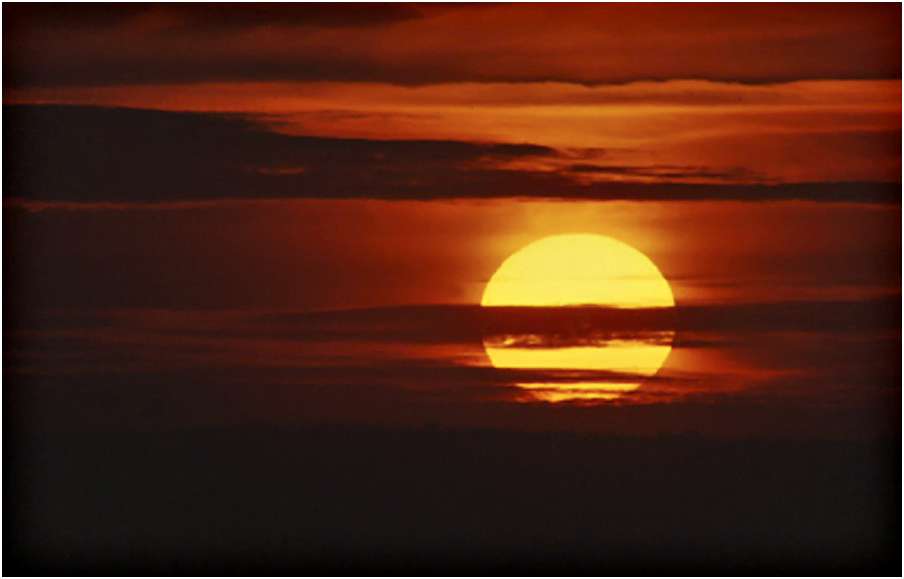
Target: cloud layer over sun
431,355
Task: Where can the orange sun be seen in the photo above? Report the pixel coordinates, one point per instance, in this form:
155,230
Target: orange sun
581,270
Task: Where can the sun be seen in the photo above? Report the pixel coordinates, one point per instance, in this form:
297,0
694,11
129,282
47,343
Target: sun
580,270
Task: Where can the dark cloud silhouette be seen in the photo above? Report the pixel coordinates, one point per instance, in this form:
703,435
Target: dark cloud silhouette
469,324
465,323
416,44
201,16
94,154
785,334
90,154
159,395
663,172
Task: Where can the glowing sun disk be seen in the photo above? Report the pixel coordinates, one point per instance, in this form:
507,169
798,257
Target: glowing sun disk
581,270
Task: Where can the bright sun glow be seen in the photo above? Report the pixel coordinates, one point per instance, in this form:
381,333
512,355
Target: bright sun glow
581,270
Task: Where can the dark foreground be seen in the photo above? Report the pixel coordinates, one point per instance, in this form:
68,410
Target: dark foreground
369,500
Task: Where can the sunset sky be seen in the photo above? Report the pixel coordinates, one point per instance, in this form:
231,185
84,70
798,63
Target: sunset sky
289,213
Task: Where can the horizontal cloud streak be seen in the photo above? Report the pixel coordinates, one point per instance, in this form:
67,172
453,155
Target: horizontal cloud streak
385,339
410,45
336,101
88,154
457,324
775,363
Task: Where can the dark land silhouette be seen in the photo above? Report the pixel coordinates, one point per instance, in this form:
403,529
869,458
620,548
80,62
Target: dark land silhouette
366,499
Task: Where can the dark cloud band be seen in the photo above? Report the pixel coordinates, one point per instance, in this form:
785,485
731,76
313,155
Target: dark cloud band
115,155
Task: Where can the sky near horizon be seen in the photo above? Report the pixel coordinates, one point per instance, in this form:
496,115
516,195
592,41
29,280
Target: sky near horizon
290,212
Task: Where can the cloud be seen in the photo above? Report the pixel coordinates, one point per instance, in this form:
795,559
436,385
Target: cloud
468,324
332,102
814,366
705,131
327,345
186,17
664,172
410,44
163,368
93,154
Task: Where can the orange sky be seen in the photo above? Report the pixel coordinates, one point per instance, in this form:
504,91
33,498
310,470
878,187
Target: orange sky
196,161
836,130
247,247
339,254
738,93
